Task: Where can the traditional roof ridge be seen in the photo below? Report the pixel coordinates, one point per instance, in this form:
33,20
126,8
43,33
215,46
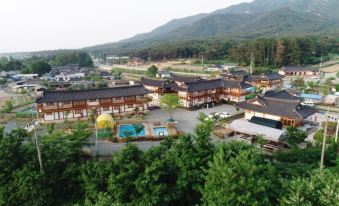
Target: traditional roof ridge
93,89
100,93
300,68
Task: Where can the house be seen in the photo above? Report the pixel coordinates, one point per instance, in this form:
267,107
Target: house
52,106
164,74
321,117
106,75
279,106
250,131
179,79
209,92
66,77
26,76
331,100
315,98
158,87
241,74
271,81
25,86
299,71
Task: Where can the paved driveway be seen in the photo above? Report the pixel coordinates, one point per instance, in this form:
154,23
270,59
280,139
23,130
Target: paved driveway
187,120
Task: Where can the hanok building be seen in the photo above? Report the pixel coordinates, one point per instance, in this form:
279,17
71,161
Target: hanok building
237,75
158,87
208,92
268,81
180,80
299,71
278,106
53,105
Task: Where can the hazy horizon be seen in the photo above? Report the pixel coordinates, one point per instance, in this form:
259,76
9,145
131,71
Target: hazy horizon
35,25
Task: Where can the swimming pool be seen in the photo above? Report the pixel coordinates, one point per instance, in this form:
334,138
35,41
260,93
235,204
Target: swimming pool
160,131
128,128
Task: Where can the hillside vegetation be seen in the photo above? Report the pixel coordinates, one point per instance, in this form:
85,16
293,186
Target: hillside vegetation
268,18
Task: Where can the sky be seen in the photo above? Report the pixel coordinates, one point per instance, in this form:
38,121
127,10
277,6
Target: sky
33,25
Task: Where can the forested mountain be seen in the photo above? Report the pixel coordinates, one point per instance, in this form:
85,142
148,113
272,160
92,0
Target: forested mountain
325,8
243,21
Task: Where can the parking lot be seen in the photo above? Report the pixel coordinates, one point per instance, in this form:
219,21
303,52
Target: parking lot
187,120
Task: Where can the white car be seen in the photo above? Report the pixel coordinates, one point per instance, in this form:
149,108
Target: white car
314,77
221,115
224,115
308,103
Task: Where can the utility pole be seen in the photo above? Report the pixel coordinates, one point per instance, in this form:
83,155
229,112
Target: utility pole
324,141
252,63
202,62
337,131
320,65
37,143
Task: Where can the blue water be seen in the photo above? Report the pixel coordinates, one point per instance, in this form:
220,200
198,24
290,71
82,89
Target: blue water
131,130
160,131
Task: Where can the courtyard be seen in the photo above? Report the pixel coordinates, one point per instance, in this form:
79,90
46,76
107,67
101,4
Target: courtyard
187,120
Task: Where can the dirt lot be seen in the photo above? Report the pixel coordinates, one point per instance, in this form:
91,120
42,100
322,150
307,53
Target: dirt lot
17,98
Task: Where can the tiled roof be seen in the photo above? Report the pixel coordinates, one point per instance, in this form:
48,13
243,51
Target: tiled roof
154,82
185,79
281,95
298,69
103,93
268,77
242,73
211,84
227,83
200,85
279,104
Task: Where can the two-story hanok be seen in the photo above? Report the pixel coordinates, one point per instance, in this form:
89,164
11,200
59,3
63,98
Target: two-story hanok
53,105
234,90
158,87
299,71
208,92
278,106
180,80
268,81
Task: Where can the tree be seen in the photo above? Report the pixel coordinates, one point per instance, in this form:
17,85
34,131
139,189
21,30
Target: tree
92,116
240,180
295,136
50,128
66,122
152,71
280,53
299,83
170,102
94,178
261,140
8,106
126,166
157,184
138,128
40,67
117,73
318,189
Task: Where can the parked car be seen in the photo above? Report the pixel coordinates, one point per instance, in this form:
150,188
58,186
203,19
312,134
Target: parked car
308,103
224,115
221,115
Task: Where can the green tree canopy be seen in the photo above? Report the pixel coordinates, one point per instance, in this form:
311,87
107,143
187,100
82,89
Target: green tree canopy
152,71
295,136
170,102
